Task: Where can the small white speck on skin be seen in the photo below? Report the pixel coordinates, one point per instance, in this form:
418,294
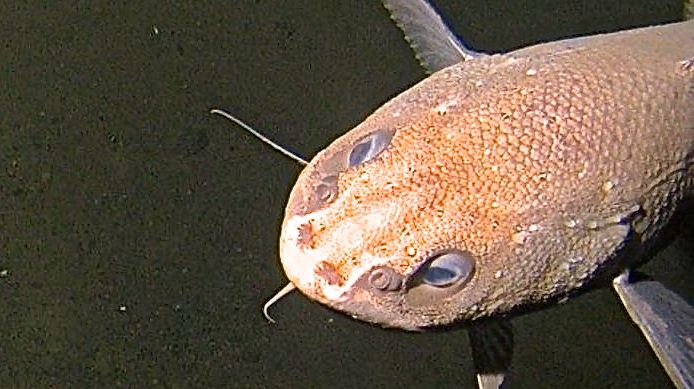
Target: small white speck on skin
479,83
531,72
498,274
687,64
396,114
122,308
570,223
441,109
519,237
495,204
4,273
607,186
365,176
411,251
155,29
583,172
533,228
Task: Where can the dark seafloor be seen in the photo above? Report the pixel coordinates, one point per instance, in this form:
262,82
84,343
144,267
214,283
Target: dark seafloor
138,233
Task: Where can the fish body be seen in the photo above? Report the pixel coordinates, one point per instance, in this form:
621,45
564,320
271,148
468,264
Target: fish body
499,183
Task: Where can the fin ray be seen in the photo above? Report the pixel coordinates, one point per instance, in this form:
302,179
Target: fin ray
436,46
667,322
492,350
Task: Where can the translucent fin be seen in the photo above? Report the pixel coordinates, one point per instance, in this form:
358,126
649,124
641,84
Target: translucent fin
667,322
492,351
436,46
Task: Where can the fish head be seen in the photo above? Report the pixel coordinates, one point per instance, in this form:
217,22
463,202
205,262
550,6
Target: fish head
435,213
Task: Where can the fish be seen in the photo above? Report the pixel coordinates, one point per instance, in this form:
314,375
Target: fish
501,184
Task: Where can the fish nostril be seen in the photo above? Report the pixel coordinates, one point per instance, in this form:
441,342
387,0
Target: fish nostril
385,279
305,237
326,191
329,273
322,194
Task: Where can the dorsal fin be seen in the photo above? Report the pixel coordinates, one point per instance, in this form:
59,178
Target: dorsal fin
436,46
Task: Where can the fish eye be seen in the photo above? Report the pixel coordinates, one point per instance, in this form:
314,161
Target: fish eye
450,268
369,147
444,275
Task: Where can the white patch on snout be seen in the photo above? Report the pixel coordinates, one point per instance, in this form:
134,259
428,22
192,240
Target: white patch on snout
300,262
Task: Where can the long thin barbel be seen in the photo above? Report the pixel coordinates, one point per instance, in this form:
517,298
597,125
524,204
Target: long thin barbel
283,292
260,136
289,287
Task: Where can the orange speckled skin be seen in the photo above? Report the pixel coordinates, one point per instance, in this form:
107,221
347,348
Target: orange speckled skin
542,163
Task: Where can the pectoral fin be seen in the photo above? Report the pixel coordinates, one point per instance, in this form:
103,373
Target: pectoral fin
436,46
492,351
667,322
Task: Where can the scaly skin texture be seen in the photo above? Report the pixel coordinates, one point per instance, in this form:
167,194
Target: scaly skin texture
548,165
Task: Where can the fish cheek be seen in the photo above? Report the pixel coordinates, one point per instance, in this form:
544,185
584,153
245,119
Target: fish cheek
376,297
413,302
